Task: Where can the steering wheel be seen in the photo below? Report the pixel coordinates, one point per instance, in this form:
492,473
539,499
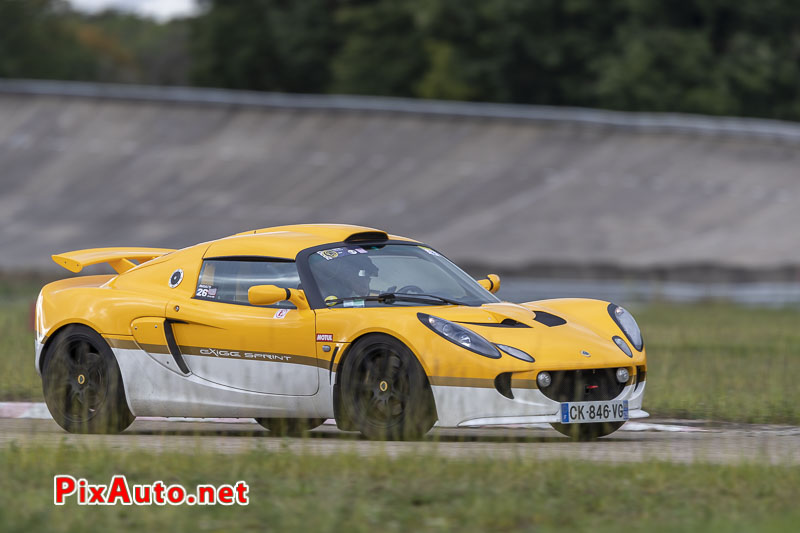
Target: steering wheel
410,289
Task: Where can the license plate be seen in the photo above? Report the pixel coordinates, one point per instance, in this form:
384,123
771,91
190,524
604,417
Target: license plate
587,412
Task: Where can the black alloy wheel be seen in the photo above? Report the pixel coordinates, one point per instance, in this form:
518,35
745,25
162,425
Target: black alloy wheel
384,390
82,383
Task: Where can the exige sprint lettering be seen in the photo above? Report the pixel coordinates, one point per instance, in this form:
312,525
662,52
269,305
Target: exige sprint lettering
244,355
119,492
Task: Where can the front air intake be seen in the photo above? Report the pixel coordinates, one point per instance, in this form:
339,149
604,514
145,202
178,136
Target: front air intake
503,385
583,385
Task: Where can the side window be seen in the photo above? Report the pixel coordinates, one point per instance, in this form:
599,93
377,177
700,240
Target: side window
228,280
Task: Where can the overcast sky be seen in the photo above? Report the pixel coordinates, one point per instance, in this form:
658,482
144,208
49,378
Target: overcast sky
160,9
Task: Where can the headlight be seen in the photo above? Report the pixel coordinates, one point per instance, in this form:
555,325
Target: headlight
515,352
628,325
622,345
460,335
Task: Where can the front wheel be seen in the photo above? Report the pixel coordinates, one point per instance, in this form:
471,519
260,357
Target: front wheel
384,390
583,432
82,383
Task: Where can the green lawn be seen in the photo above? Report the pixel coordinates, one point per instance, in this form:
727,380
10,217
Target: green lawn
723,362
291,492
18,378
709,361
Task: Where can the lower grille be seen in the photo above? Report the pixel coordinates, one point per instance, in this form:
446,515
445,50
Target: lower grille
583,385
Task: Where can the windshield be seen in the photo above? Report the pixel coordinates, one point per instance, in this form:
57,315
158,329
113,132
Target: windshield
353,276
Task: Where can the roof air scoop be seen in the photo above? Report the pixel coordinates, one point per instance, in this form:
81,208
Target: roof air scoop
367,236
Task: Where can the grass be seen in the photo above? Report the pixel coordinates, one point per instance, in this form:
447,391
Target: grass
291,492
707,361
18,378
722,362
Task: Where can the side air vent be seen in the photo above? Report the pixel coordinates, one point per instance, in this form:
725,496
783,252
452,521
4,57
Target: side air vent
367,236
173,346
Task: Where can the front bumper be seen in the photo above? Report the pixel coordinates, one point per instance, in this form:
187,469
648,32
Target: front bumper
479,406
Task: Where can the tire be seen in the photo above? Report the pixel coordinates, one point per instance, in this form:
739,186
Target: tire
384,390
584,432
82,384
290,427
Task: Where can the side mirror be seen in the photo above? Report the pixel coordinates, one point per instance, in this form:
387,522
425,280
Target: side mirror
491,283
272,294
266,294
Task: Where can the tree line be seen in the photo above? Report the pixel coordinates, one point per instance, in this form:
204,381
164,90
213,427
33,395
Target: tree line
698,56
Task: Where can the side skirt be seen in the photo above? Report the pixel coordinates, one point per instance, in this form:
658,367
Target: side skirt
153,390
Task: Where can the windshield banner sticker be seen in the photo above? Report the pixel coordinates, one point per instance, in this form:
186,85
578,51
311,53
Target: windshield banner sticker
334,253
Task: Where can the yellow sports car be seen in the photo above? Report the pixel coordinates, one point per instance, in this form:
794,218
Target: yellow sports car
293,325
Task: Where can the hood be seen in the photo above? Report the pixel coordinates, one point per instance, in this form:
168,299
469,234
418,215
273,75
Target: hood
558,334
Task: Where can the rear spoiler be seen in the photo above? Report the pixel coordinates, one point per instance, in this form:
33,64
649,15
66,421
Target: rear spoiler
120,259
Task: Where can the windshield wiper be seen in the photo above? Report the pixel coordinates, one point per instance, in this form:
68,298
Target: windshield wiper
389,297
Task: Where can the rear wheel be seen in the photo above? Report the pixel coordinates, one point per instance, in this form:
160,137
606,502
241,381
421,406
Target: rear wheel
82,383
290,427
384,390
583,432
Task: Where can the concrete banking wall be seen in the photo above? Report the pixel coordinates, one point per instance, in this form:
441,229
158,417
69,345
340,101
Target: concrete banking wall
512,187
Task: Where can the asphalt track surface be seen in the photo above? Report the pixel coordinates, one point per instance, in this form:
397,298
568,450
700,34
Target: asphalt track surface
664,440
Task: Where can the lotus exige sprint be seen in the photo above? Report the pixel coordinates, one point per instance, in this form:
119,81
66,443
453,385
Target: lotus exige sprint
293,325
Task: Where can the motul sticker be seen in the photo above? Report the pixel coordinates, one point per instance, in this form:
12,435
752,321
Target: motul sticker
324,337
280,313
